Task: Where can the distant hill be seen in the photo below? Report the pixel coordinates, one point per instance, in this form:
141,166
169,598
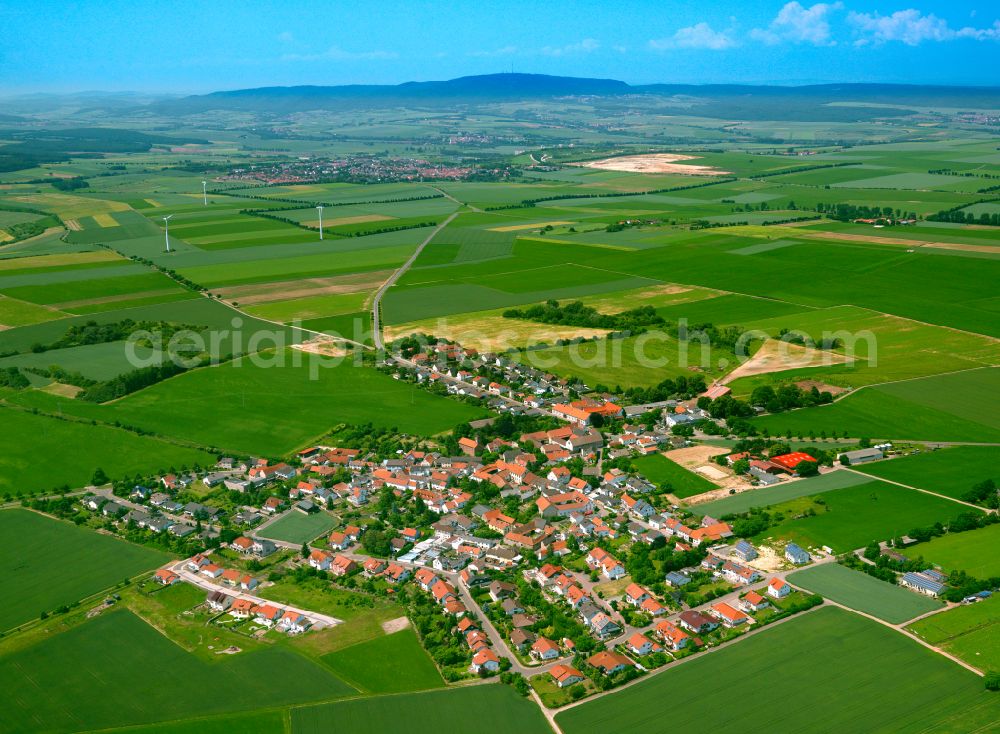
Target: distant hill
713,100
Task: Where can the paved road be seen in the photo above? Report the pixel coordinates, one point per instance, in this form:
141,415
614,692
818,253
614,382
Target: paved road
391,281
324,620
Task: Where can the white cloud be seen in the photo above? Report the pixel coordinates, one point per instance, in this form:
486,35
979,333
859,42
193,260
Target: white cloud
286,37
583,47
799,24
335,53
700,35
502,51
912,27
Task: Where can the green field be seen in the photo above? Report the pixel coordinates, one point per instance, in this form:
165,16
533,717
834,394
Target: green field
670,475
853,517
255,722
37,578
273,404
943,408
118,452
970,632
393,663
951,472
855,675
75,679
298,527
494,708
778,493
865,593
977,552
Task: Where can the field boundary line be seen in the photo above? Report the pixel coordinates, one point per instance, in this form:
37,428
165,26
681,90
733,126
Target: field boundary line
986,510
911,379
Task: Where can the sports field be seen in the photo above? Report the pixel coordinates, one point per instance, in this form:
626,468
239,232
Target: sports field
116,451
865,593
952,472
778,493
671,476
494,708
852,517
53,562
971,632
75,679
394,663
298,527
977,552
824,658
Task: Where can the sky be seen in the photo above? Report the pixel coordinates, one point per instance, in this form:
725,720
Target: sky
179,46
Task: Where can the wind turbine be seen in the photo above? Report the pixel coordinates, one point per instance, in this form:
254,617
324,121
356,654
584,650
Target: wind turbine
204,191
320,210
166,230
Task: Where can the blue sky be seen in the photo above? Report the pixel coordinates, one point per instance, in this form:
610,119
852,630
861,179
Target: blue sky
221,44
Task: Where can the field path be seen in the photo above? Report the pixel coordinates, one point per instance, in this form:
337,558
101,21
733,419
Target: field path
391,281
918,489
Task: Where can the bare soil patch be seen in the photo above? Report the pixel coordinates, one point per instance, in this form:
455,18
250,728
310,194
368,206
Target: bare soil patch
654,163
821,386
325,346
62,390
535,225
778,356
992,249
73,225
113,299
395,625
286,290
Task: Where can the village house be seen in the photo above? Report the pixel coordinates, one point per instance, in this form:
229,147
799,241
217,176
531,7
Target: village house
778,588
564,675
609,663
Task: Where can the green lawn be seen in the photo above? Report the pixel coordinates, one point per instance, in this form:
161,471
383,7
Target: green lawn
853,517
395,663
778,493
120,453
116,670
298,527
58,563
865,593
951,471
847,673
970,632
977,552
496,709
670,475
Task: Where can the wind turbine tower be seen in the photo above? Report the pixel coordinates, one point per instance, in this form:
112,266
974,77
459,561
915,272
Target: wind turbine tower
320,210
204,191
166,230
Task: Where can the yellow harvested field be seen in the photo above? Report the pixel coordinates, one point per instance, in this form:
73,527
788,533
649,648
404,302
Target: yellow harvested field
73,225
68,206
360,219
53,261
62,390
654,163
153,203
490,331
534,225
5,236
106,220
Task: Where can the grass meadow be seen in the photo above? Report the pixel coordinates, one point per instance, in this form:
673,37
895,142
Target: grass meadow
778,493
395,663
670,475
977,552
970,632
118,452
853,517
952,471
